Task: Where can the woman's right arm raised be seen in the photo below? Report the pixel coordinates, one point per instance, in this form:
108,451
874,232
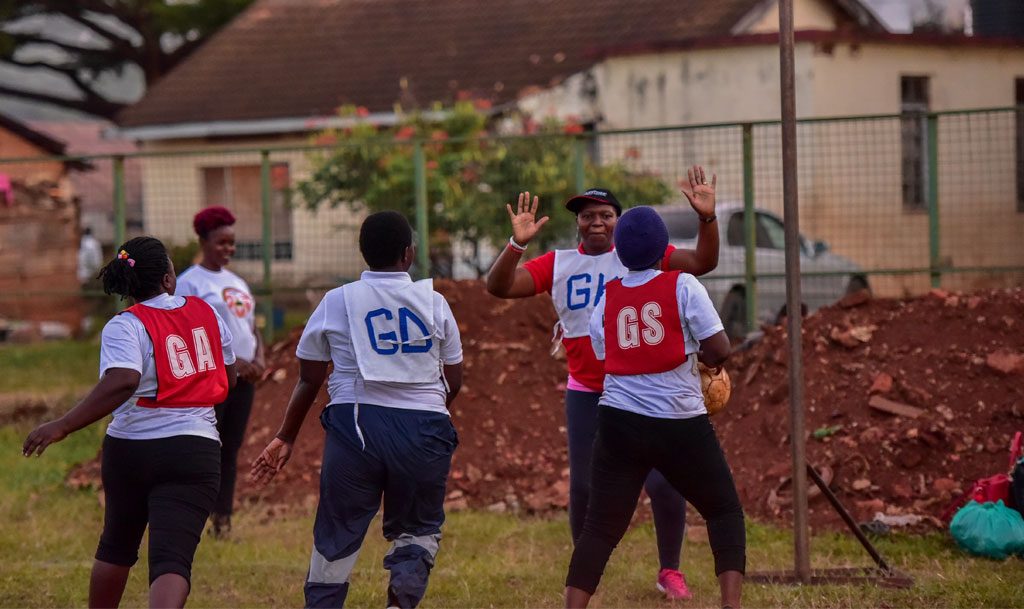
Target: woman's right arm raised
506,279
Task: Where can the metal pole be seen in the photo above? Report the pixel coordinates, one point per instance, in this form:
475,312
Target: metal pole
794,319
422,228
749,232
267,249
120,229
581,168
934,257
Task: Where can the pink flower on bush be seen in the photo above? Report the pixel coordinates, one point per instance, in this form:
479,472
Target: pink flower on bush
362,111
406,132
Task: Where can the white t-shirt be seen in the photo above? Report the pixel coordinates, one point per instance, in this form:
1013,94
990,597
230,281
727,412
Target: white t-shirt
327,338
674,394
126,344
90,258
231,297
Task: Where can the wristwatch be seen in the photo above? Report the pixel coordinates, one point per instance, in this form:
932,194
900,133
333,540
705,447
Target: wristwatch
709,219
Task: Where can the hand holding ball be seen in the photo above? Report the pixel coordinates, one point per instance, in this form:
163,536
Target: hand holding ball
716,387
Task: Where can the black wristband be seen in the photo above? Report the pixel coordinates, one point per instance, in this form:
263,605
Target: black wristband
709,219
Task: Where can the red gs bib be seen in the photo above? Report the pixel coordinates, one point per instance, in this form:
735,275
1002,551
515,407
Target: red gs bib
190,369
642,330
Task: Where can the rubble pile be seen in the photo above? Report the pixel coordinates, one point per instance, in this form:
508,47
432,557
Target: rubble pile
907,402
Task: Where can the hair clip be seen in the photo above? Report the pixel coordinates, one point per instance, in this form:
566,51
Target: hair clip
123,255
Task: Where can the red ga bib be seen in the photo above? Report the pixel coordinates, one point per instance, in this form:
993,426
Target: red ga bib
190,369
642,330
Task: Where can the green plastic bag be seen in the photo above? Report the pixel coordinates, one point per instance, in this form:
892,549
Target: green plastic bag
988,529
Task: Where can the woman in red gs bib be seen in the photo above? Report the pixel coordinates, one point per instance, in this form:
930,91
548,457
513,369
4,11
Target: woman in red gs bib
651,330
576,280
164,363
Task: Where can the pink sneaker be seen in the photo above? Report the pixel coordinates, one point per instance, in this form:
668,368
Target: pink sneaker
673,584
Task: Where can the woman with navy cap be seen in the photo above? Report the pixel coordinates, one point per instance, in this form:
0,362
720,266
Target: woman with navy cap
651,329
576,280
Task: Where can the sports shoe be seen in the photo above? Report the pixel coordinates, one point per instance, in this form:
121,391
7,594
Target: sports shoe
673,584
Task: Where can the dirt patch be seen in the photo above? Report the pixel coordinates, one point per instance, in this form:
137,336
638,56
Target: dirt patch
932,354
509,415
930,359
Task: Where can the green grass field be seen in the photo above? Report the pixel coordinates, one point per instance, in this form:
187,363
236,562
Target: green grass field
48,533
45,368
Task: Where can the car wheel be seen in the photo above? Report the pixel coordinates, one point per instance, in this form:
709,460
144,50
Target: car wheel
734,314
857,284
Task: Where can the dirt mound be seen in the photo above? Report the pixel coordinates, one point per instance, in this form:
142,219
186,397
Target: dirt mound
951,364
512,451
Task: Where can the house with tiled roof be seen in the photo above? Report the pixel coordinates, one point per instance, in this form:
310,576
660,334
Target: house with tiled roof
282,68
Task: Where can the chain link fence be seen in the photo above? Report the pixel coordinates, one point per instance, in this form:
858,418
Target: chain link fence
897,203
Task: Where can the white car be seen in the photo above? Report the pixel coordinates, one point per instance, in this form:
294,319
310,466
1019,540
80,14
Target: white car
726,284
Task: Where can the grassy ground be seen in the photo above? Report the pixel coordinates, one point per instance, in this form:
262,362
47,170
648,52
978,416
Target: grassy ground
48,533
44,368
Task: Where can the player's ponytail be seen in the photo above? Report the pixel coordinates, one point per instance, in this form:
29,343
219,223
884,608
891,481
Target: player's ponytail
137,270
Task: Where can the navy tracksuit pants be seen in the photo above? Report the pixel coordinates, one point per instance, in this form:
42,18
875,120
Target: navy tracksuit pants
374,452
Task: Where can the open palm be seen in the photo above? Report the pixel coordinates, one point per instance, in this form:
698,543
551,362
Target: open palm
525,226
701,195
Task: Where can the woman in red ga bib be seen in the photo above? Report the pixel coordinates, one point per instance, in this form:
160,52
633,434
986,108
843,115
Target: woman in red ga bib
576,280
164,362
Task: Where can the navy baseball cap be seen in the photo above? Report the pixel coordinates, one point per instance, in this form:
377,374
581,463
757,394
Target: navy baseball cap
594,195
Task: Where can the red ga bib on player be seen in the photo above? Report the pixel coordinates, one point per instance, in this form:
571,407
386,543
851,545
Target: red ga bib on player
642,330
190,369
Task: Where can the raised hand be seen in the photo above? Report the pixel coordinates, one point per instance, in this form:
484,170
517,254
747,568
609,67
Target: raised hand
270,461
701,195
525,226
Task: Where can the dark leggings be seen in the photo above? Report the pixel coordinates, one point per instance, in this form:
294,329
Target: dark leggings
232,418
627,447
168,484
668,505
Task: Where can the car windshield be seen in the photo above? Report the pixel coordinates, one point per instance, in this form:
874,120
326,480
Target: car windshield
682,223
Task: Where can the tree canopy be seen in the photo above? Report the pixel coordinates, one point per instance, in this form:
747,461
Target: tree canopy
83,41
471,174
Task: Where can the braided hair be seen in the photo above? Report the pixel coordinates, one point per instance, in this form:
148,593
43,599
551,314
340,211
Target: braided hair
137,269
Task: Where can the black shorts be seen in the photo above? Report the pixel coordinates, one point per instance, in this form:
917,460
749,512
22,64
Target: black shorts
171,484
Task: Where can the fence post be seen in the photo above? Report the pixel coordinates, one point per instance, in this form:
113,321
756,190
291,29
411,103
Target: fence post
422,227
580,149
934,256
267,249
749,233
120,229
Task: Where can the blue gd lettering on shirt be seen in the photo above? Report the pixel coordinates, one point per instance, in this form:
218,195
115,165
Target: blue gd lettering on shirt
393,334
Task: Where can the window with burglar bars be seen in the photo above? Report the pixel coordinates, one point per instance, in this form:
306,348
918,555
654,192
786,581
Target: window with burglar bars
238,188
1019,170
914,141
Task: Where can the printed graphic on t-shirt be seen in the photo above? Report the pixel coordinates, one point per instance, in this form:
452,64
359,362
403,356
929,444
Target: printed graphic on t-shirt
239,303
